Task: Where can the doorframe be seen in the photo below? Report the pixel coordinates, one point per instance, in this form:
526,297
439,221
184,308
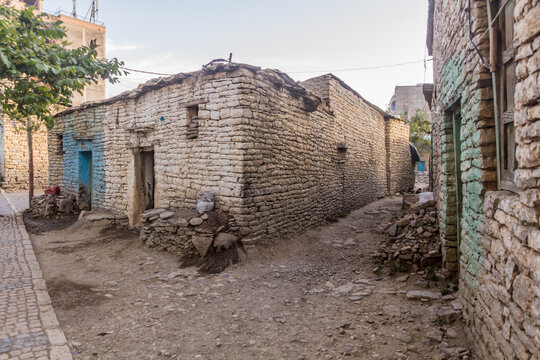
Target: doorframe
90,175
135,206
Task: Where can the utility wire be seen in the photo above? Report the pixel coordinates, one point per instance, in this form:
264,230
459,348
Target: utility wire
145,72
309,71
360,68
495,18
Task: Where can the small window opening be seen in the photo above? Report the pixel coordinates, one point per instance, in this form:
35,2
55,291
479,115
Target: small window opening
117,120
341,153
193,122
60,144
393,107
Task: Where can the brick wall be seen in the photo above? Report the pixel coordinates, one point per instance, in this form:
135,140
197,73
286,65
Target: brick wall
498,252
276,162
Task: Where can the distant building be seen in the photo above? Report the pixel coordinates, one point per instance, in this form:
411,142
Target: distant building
408,99
18,4
13,143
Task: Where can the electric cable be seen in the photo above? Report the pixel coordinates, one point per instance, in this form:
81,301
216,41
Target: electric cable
308,71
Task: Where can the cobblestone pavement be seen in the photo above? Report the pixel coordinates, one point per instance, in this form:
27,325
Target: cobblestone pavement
28,325
18,201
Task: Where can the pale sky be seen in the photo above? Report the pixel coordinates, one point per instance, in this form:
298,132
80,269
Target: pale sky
316,36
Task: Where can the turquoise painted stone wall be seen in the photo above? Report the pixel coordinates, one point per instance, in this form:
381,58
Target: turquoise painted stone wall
83,132
499,249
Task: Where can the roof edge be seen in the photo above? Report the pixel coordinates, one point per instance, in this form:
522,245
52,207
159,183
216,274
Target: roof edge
344,84
275,76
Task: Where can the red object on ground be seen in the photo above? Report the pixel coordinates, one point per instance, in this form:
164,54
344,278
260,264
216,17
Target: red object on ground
53,190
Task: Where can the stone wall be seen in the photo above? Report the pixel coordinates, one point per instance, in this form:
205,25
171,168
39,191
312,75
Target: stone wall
14,162
2,148
78,132
159,120
498,253
15,157
400,173
278,157
306,166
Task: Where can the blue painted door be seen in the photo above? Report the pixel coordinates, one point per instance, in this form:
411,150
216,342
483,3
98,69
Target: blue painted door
85,178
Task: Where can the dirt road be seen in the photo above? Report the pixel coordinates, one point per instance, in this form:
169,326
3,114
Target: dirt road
314,296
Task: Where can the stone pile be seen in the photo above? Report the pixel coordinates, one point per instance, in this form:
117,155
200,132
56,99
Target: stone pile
47,205
413,241
186,233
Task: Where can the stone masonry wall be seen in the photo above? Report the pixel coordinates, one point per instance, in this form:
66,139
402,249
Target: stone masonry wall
15,158
2,154
304,166
278,158
78,132
509,294
14,147
158,120
400,173
498,253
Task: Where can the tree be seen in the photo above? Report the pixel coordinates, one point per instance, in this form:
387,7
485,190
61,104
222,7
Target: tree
39,74
420,129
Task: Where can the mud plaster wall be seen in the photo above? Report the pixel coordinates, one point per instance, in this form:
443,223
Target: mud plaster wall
499,251
273,166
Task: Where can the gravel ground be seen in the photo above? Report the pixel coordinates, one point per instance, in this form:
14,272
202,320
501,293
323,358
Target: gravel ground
313,296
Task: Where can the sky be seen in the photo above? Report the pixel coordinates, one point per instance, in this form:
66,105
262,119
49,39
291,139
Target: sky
304,38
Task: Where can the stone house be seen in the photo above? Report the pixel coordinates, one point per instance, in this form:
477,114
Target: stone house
486,131
279,156
13,141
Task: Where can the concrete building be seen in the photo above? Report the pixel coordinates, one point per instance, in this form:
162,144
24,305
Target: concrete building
13,143
409,99
279,156
486,131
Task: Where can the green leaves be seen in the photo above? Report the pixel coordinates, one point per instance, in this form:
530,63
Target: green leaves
38,72
420,128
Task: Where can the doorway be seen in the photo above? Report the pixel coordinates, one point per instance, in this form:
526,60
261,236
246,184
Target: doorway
85,179
142,197
147,176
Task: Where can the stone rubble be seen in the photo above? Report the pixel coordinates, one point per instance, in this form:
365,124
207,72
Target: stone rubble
413,240
186,233
47,205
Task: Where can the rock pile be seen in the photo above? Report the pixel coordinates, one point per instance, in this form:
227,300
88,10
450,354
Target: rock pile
413,241
47,205
186,233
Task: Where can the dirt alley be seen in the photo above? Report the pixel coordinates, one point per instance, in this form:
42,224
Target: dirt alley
314,296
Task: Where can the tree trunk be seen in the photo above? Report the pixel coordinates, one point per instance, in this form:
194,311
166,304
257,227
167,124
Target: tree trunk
30,161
